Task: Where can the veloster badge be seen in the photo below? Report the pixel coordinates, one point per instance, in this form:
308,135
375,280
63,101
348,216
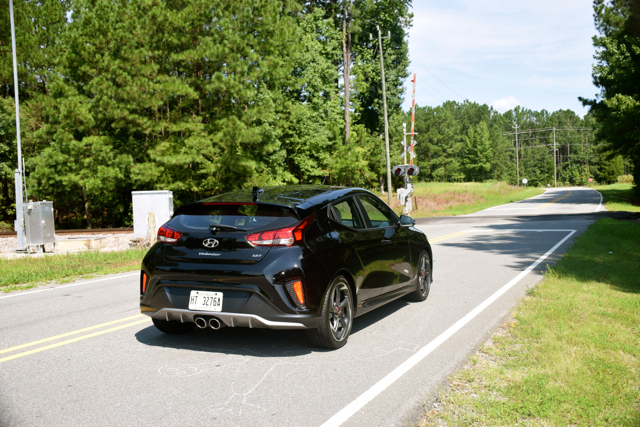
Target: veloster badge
210,243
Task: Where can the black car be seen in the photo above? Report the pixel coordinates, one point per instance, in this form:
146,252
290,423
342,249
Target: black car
288,257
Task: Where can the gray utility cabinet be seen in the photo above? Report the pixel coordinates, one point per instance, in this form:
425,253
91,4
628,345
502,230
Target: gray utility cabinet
38,223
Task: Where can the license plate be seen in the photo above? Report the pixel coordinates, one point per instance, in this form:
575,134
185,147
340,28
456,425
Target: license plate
206,301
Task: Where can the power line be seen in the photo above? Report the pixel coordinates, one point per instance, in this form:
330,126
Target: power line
536,138
540,146
432,88
545,130
437,78
430,94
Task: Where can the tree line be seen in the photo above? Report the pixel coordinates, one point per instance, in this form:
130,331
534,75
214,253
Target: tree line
471,142
616,109
201,97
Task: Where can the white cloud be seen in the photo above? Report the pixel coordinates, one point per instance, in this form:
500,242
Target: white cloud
505,103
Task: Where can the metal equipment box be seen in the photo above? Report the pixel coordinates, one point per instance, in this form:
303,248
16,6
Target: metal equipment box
39,223
151,209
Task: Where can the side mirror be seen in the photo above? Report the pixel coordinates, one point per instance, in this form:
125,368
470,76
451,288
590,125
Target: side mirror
407,221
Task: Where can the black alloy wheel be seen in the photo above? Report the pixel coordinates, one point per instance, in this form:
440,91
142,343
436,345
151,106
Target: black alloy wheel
423,278
173,326
337,316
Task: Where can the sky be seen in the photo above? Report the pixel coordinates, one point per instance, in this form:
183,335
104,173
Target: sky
536,54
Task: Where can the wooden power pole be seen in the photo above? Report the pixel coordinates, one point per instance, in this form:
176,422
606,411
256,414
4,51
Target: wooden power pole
386,120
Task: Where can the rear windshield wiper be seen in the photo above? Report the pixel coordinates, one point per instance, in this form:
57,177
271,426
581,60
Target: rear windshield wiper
216,228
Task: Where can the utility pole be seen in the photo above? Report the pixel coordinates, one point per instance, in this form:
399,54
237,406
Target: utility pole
19,224
517,161
413,116
555,183
384,105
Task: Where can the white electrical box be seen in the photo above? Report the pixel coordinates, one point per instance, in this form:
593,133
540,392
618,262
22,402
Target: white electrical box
151,209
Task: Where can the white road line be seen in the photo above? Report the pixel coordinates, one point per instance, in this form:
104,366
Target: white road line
67,286
510,230
394,375
599,204
510,209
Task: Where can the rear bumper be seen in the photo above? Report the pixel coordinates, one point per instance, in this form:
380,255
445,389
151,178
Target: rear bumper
255,295
235,319
243,306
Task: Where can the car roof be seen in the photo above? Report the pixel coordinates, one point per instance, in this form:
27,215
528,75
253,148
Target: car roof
287,195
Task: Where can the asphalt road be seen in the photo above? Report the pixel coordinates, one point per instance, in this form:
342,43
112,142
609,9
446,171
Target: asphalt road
80,354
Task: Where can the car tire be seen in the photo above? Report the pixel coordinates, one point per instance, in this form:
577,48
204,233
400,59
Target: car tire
173,326
423,279
337,316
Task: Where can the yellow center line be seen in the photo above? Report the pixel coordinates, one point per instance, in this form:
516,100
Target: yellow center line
79,331
449,236
72,340
559,198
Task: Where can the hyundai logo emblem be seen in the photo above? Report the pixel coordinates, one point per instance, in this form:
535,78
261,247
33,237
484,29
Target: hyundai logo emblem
210,243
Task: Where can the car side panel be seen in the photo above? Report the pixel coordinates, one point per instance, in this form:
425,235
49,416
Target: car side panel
334,249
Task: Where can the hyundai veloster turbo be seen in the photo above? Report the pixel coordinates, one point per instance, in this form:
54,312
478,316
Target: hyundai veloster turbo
288,257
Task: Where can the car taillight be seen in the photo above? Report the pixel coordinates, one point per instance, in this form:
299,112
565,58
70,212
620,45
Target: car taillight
287,236
144,279
168,235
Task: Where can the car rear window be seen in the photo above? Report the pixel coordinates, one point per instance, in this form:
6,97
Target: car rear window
247,216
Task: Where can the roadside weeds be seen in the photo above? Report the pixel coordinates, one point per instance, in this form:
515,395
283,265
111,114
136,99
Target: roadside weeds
619,197
447,199
26,273
568,355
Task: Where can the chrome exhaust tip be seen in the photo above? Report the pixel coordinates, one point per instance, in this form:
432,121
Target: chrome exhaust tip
215,323
200,322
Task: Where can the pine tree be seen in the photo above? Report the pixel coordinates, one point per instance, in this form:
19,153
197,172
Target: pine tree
478,153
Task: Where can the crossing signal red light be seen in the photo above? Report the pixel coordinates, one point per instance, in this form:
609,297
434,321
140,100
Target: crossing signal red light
398,170
412,170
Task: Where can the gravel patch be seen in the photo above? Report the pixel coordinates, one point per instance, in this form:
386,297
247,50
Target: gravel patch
110,242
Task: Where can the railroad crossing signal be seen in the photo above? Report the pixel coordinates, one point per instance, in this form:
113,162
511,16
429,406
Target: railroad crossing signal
408,170
408,146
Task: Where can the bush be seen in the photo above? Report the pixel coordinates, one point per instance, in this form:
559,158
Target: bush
625,179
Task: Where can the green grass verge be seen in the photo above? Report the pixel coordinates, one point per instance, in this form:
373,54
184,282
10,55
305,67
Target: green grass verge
570,353
619,197
446,199
25,273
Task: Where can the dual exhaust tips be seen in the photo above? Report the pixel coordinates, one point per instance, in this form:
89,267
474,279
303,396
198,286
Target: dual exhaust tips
212,322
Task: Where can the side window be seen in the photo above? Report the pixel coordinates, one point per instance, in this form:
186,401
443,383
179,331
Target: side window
344,212
379,215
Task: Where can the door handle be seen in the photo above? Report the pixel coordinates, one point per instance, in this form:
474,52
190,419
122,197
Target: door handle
386,242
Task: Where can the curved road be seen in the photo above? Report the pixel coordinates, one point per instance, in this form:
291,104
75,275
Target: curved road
80,354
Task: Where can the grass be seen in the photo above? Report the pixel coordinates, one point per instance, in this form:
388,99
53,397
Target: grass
25,273
619,197
446,199
569,355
